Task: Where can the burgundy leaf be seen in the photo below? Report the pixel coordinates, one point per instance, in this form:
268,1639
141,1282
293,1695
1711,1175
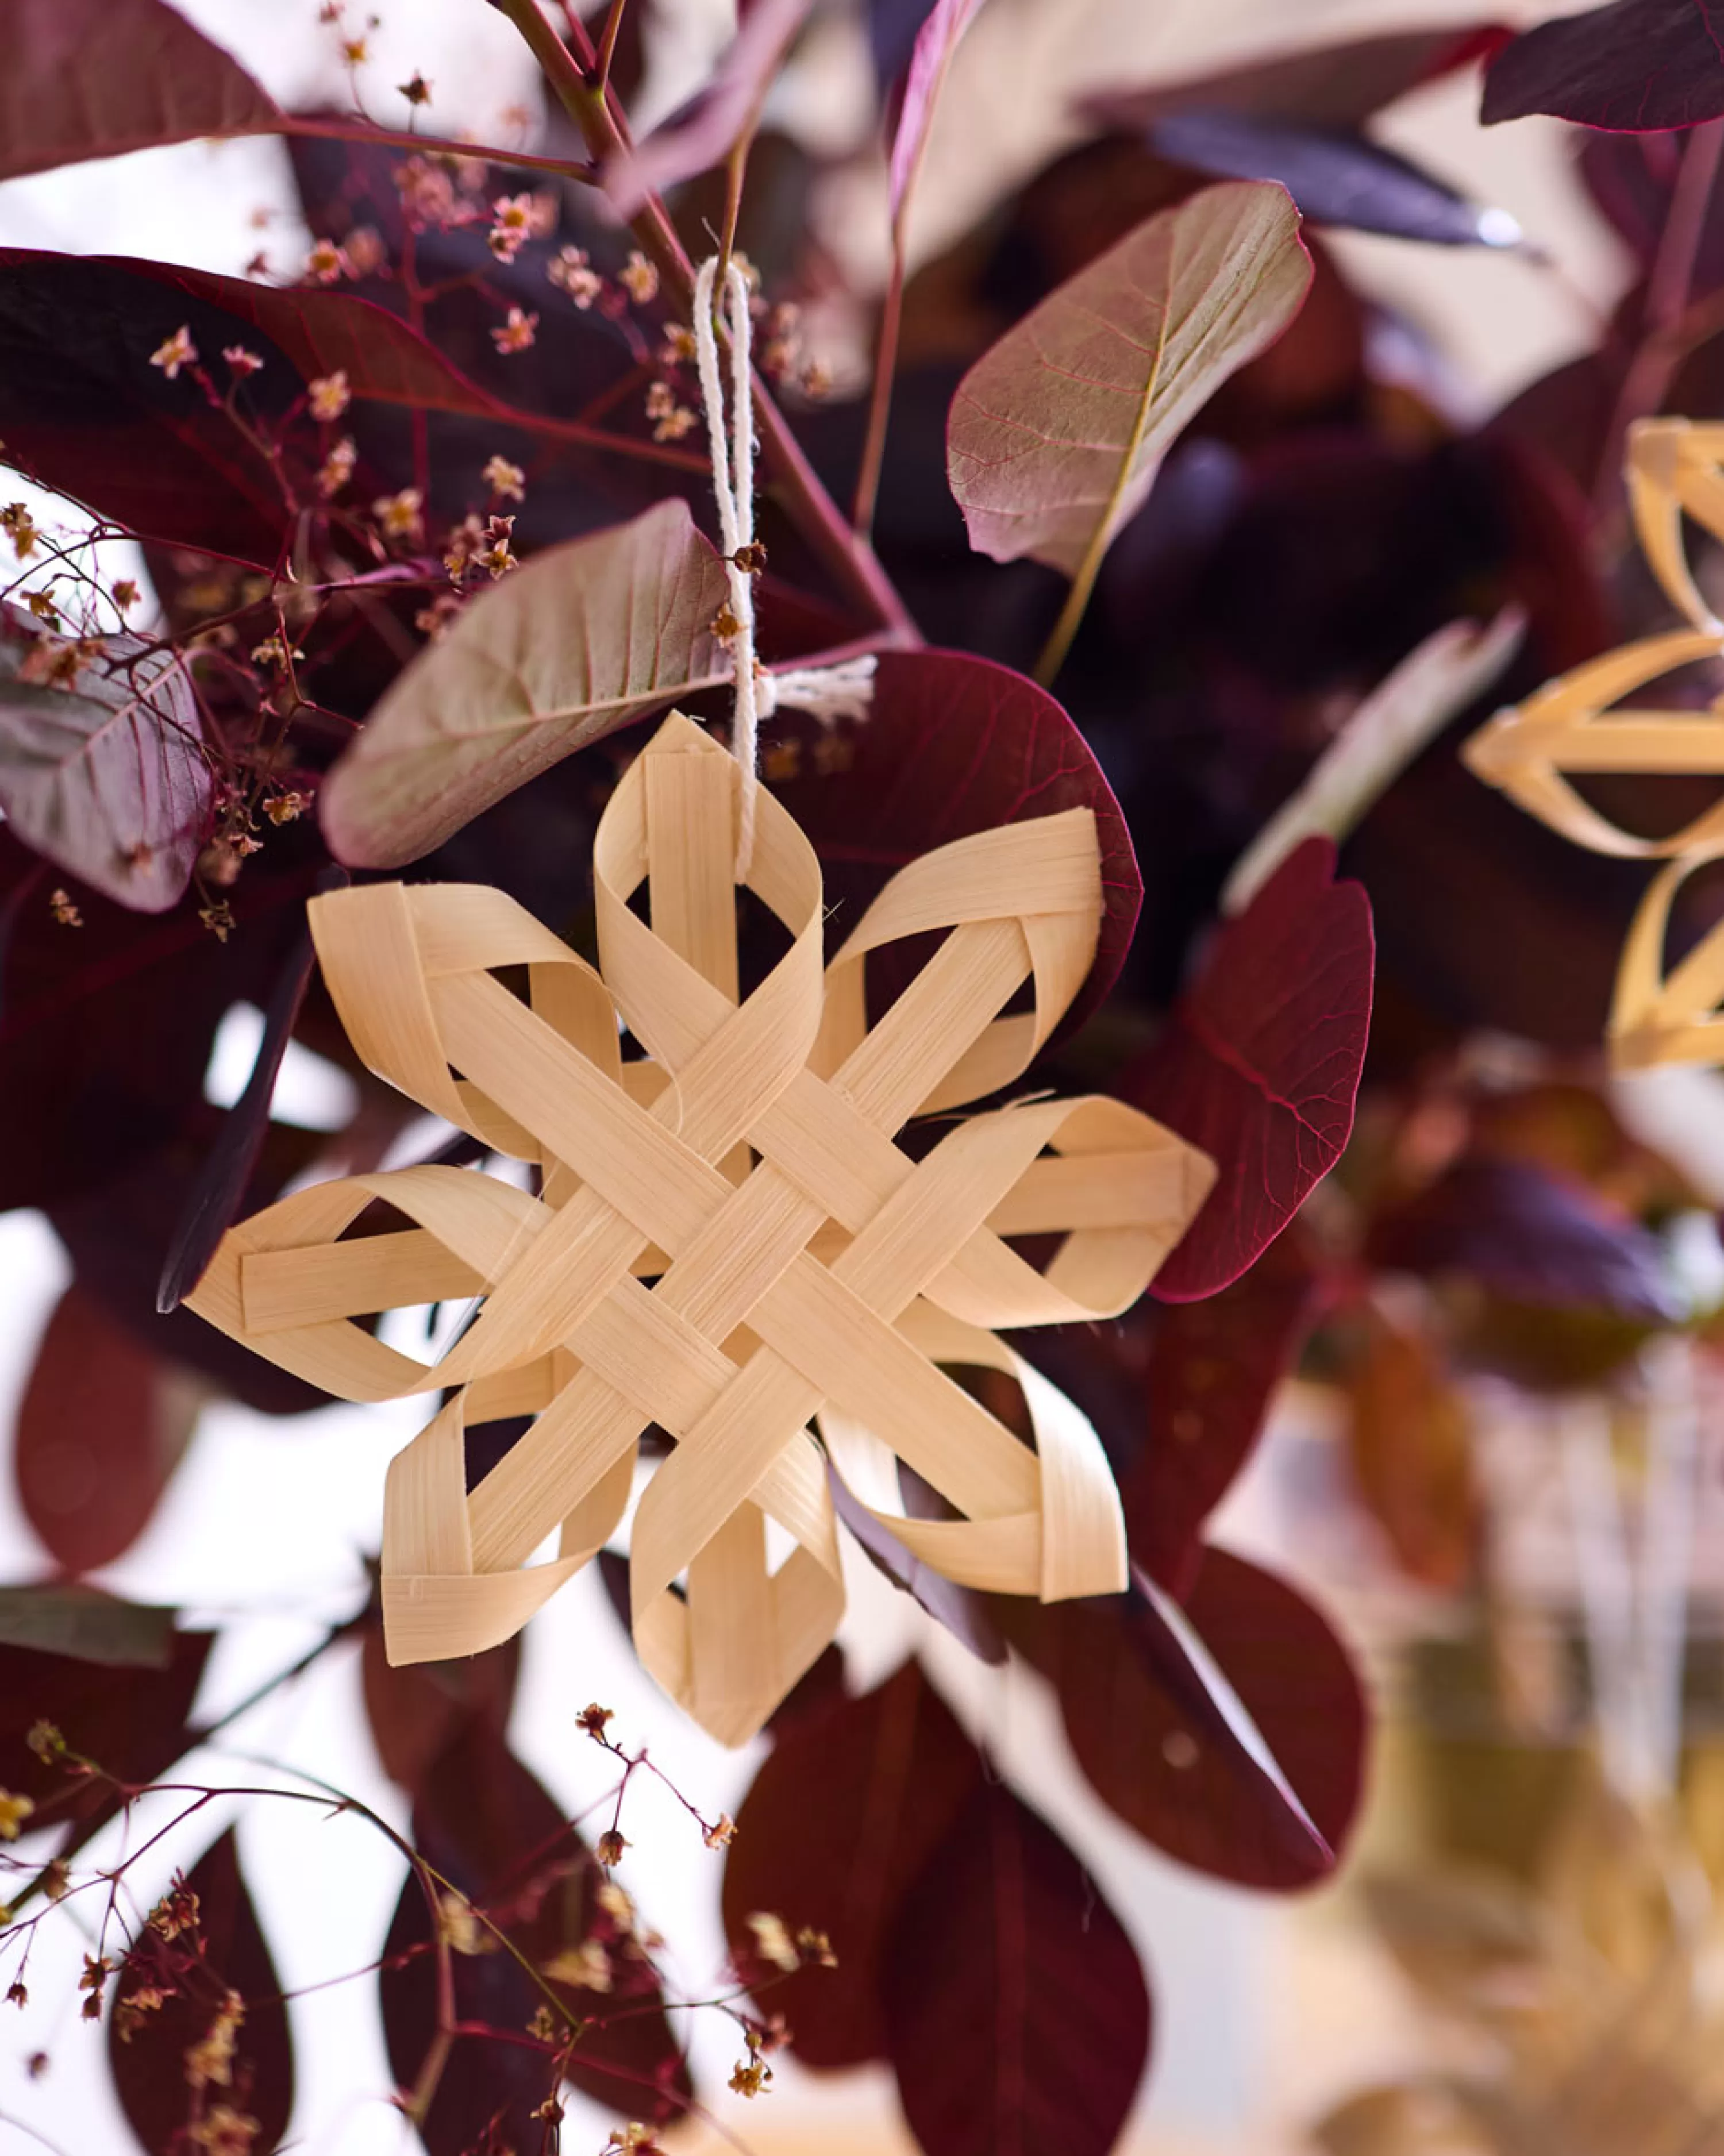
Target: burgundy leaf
961,1609
1635,65
131,1721
952,746
85,80
1214,1368
1333,178
84,411
702,136
936,41
1016,2008
195,1972
100,1429
88,81
118,1236
1335,86
414,1711
1525,1232
1409,1445
1164,1746
483,1821
107,778
1178,1394
1261,1060
844,1814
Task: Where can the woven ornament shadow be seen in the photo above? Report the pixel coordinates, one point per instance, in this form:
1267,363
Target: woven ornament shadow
727,1241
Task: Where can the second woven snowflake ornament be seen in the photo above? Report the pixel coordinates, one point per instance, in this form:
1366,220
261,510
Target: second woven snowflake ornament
727,1242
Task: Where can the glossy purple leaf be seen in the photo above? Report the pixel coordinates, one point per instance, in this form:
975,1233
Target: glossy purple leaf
1166,1747
1523,1232
1260,1062
845,1812
1635,65
1336,86
1018,2013
195,1972
952,745
961,1609
1334,177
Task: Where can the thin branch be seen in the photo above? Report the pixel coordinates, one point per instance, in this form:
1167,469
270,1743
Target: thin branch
392,138
810,508
608,42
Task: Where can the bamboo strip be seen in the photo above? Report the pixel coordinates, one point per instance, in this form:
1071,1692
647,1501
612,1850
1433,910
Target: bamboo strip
728,1242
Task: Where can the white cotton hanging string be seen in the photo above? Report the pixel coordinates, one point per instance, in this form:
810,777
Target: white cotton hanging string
827,692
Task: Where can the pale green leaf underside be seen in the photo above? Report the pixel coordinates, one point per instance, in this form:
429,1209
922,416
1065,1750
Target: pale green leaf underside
1058,431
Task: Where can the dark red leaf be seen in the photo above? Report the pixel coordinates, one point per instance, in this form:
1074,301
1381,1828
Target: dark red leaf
118,1237
84,81
952,746
1336,86
1178,1392
1334,177
100,1429
414,1711
1214,1368
83,410
105,1031
196,1971
1525,1232
1260,1063
843,1816
1635,65
1016,2008
1162,1750
132,1721
483,1821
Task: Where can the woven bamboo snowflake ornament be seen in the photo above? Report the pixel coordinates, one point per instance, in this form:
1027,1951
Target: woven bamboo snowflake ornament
726,1241
1581,723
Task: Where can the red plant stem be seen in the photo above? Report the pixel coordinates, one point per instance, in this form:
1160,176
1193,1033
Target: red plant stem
1650,371
849,559
608,43
389,138
880,396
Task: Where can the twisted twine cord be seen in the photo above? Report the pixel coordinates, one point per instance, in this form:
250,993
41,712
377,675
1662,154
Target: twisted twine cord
826,692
